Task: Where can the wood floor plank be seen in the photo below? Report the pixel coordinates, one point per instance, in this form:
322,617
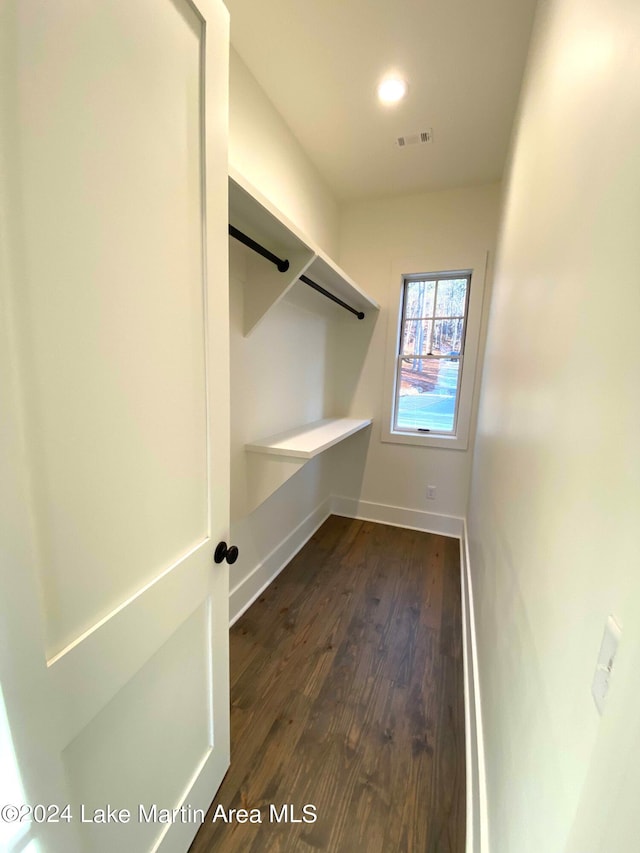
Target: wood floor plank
347,694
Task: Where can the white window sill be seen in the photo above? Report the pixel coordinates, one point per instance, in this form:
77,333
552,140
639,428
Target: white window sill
421,439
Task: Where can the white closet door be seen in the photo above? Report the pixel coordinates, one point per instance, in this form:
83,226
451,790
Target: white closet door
114,460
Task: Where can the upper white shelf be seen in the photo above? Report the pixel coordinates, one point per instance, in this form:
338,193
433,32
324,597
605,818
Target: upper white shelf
308,441
253,214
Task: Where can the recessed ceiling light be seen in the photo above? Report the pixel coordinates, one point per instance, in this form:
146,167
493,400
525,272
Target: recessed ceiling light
392,89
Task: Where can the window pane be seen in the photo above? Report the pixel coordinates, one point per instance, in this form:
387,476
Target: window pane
447,337
417,337
451,298
419,297
427,394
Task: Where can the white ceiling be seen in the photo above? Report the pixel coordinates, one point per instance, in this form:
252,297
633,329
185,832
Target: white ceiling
319,61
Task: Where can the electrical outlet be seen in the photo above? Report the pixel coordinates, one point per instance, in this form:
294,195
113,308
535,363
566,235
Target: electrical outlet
431,493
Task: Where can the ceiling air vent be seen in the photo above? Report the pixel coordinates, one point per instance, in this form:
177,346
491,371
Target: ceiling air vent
422,137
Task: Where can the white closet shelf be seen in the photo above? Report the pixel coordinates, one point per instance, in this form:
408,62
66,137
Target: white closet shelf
254,215
308,441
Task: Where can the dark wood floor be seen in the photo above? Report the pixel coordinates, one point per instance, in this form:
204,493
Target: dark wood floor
347,694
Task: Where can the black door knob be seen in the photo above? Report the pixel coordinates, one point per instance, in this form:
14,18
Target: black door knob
222,552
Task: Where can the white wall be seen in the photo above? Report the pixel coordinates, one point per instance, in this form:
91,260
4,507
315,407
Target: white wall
556,483
263,149
279,372
279,375
379,240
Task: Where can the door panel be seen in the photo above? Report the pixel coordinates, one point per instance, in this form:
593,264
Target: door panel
143,715
140,627
113,249
110,311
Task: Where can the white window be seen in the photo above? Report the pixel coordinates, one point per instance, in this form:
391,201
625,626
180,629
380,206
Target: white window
430,353
435,342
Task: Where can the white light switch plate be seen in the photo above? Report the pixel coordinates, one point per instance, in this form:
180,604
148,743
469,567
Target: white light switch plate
604,667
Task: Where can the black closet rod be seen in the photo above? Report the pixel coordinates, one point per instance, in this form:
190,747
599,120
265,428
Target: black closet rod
281,263
283,266
320,289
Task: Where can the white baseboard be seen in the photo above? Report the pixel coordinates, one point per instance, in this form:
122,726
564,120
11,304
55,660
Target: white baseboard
414,519
242,596
477,825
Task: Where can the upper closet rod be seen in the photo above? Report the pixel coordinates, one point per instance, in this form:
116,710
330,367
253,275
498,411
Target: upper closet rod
283,266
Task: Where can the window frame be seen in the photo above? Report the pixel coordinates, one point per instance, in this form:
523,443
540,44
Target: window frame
476,270
436,278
